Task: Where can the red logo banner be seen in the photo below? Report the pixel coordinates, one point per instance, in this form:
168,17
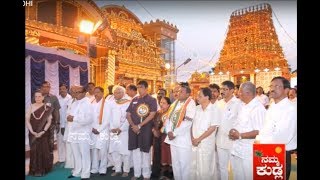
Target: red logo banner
269,161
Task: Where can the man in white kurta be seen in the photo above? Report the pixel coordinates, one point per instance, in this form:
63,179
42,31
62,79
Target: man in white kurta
64,99
281,120
79,134
178,131
249,122
99,134
262,97
204,125
118,147
70,110
229,106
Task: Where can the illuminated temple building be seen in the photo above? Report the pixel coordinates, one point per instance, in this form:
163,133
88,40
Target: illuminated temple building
124,50
251,50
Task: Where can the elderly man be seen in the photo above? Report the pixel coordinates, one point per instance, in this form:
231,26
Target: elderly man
281,120
100,133
79,134
177,126
249,122
119,126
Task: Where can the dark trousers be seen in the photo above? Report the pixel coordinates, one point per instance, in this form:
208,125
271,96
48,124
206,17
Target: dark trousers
288,164
156,161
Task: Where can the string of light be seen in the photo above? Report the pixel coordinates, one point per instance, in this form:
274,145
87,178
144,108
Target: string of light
283,27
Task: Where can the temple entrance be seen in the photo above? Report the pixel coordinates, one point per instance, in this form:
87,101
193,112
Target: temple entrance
241,78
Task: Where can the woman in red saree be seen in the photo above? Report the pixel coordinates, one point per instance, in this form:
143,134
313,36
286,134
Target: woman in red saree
38,120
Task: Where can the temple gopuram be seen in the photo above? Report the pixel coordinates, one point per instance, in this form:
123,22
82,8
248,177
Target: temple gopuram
123,50
251,50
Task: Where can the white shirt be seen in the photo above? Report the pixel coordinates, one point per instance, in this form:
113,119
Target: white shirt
70,111
63,101
181,133
81,126
230,112
263,99
251,117
204,119
103,136
116,115
280,125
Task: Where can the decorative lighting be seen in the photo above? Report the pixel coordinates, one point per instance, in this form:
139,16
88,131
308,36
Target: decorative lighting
167,66
241,71
277,69
257,70
266,70
86,27
220,73
228,72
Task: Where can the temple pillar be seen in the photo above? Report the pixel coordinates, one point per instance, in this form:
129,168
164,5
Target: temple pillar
110,69
252,78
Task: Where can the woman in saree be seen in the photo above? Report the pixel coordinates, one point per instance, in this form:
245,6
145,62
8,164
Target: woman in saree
38,120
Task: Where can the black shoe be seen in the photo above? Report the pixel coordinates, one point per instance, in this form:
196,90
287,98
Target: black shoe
84,178
71,176
102,174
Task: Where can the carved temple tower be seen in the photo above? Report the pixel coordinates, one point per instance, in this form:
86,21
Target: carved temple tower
251,51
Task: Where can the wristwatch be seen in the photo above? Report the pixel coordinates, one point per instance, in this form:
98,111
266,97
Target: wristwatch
139,126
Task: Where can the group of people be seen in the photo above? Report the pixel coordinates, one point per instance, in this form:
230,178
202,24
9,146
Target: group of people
160,137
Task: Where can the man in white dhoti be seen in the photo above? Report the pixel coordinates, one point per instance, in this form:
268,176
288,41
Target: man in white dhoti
250,120
119,126
64,99
70,108
177,126
100,134
230,106
203,132
79,134
281,120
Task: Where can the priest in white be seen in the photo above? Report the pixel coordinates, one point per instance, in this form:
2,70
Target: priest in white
64,99
178,126
79,134
100,133
203,132
118,147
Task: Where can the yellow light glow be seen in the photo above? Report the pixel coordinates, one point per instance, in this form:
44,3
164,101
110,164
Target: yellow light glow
167,66
86,27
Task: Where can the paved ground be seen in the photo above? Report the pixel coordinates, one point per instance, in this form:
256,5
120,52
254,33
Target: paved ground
60,173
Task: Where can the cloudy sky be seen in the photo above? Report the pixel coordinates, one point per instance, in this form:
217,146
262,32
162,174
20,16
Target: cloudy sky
203,24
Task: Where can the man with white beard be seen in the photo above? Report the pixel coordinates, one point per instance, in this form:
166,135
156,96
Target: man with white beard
100,132
79,134
118,147
64,99
70,108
